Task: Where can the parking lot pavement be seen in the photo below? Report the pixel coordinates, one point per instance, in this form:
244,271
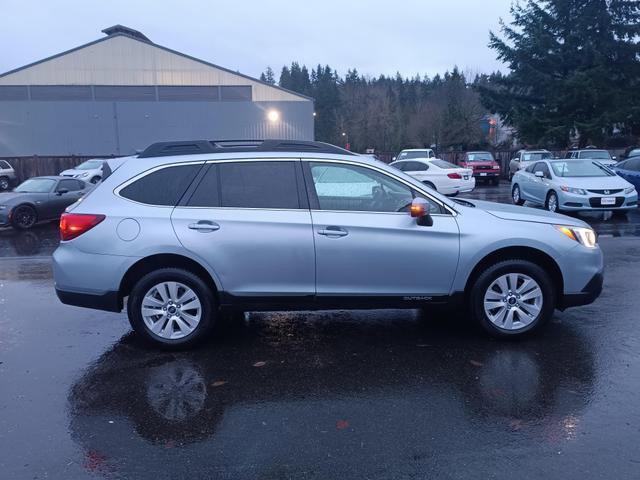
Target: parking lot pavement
382,394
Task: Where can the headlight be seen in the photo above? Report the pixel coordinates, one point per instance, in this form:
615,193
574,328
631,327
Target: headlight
582,235
85,174
496,167
3,207
578,191
630,189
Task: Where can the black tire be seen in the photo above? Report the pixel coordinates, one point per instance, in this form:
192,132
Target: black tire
493,272
516,200
495,182
200,288
24,217
548,204
95,180
431,186
453,194
4,183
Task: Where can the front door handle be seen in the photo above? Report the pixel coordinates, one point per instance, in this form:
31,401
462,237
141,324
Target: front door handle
204,226
333,232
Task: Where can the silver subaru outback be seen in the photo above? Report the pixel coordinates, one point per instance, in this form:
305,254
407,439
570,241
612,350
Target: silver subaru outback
186,230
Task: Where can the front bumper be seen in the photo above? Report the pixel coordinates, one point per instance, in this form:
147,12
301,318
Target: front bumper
482,174
588,294
574,202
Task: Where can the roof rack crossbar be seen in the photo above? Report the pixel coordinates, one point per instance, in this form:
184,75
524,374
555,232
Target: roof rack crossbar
198,147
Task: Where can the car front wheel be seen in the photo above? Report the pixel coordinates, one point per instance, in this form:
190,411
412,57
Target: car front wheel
516,195
512,297
172,308
4,183
24,217
552,203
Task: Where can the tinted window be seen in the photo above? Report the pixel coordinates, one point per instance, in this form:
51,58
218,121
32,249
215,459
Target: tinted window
162,187
70,185
208,192
402,166
258,185
359,189
530,168
416,167
631,164
443,164
413,154
542,167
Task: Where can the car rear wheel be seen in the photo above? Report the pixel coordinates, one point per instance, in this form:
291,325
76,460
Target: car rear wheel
24,217
516,195
4,183
172,308
512,297
431,186
95,180
552,204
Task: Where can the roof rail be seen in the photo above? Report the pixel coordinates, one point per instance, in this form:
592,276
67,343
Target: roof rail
196,147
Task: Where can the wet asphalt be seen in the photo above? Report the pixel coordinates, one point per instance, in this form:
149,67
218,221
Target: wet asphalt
381,394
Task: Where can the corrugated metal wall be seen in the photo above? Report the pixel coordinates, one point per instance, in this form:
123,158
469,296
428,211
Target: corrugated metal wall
121,128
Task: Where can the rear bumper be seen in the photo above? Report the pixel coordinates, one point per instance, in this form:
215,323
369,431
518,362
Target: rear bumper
109,301
588,294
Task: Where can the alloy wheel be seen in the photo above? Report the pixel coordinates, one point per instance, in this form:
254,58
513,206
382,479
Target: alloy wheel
24,216
552,203
515,195
171,310
4,184
513,301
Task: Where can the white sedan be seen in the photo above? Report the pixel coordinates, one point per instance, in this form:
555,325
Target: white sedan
440,175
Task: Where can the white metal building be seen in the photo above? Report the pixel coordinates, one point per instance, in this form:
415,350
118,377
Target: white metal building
123,92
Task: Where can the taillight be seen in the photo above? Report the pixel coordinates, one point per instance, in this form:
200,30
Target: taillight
73,225
455,176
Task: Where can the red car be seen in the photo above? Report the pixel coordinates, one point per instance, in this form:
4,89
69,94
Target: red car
484,166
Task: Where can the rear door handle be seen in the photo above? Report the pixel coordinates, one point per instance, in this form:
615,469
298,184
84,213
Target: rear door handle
333,232
204,226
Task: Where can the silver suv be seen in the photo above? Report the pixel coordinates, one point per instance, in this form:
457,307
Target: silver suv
7,175
187,230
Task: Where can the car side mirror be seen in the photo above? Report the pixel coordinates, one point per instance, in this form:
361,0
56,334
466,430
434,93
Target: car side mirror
62,191
539,174
420,211
614,158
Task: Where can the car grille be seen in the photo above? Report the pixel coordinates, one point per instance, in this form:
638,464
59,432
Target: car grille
606,192
483,167
597,202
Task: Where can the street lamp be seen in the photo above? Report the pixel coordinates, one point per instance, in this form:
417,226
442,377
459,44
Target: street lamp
346,140
273,116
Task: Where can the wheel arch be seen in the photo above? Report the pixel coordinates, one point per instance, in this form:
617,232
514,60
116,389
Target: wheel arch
27,203
520,253
164,260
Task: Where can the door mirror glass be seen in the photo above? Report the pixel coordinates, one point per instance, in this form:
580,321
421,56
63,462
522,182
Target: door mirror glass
539,174
420,211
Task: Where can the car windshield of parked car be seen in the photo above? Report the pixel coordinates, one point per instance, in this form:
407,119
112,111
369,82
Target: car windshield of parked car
634,153
90,165
580,168
596,154
532,156
479,157
443,164
416,154
36,185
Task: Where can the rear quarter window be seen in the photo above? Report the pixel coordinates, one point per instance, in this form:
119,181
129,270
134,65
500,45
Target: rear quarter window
163,187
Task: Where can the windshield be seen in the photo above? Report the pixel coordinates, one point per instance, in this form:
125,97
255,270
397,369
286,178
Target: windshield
531,156
36,185
415,154
599,154
634,153
90,165
443,164
580,168
479,157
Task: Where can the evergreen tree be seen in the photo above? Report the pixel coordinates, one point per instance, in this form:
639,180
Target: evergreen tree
574,70
268,76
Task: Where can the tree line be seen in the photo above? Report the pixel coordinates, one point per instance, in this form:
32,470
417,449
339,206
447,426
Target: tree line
573,79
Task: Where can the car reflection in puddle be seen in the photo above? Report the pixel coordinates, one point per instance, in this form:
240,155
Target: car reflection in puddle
282,389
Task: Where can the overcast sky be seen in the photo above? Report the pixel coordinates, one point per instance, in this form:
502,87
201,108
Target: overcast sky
374,36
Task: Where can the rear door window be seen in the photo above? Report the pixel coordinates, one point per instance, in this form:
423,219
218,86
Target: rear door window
259,184
162,187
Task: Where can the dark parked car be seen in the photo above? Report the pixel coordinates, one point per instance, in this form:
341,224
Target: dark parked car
630,171
38,199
